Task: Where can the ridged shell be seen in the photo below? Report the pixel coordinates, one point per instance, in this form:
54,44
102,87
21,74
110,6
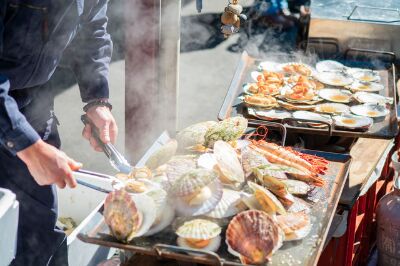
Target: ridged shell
194,135
207,160
227,130
162,155
176,167
252,159
299,205
294,225
230,205
266,199
199,229
184,208
192,181
297,187
228,163
254,235
128,215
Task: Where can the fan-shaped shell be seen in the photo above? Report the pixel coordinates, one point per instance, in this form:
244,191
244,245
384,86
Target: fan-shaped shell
299,205
294,225
229,205
251,160
228,130
231,171
254,235
162,155
199,229
176,167
192,181
128,215
194,135
266,199
297,187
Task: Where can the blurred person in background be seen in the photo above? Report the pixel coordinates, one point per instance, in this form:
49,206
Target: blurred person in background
34,37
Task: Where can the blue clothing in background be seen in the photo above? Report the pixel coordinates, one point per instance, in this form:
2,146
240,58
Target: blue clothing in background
271,7
34,36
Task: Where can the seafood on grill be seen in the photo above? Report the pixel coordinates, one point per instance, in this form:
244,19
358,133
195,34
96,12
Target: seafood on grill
139,185
273,184
252,159
194,134
270,115
370,110
137,172
294,225
335,95
260,100
268,77
229,205
300,93
262,88
353,121
200,234
228,165
332,108
296,68
162,155
165,213
196,192
253,236
128,215
229,129
178,165
305,81
265,199
296,187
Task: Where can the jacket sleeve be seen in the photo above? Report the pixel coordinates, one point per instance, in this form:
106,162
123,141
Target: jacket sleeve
91,53
16,133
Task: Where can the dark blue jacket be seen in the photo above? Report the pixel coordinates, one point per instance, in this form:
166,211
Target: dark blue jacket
34,36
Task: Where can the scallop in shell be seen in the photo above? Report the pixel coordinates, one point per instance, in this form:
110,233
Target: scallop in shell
334,78
296,187
270,115
230,205
366,97
332,108
229,129
251,160
176,167
268,202
254,235
366,75
353,121
162,155
229,166
200,234
296,68
370,110
295,225
196,192
194,135
335,95
165,213
306,115
366,86
128,215
329,66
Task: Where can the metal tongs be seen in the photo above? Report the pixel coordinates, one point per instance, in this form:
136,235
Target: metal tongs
117,160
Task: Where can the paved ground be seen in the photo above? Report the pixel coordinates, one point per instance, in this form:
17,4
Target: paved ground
206,68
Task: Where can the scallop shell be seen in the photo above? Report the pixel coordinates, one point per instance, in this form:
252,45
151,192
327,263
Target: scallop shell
254,235
334,78
335,95
227,130
294,225
366,75
231,171
128,215
252,159
332,108
296,187
365,97
366,86
313,117
165,213
353,121
294,107
140,185
212,246
199,229
269,203
176,167
308,70
207,161
274,185
299,205
162,155
194,135
192,181
329,66
229,205
370,110
270,115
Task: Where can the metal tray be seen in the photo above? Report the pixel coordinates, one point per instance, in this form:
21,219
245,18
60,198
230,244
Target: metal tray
301,252
382,128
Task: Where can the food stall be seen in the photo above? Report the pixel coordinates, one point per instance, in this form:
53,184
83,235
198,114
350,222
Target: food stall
326,98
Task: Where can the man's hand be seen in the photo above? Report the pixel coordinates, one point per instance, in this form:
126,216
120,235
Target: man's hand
48,165
105,122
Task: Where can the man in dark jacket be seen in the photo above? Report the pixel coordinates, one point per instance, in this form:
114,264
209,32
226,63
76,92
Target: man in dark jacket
34,36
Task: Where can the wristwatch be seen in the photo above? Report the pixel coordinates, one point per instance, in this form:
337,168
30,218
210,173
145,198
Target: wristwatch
97,102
